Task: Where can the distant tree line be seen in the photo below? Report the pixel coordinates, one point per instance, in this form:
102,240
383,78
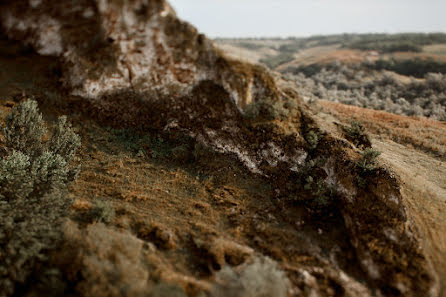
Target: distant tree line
384,43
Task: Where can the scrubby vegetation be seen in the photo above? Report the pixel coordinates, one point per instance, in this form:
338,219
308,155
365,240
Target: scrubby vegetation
410,67
33,175
371,80
35,167
385,43
103,211
418,132
389,43
357,135
367,165
267,109
261,278
319,194
274,61
356,85
368,161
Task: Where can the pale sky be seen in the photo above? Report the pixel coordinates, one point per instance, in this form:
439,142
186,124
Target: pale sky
256,18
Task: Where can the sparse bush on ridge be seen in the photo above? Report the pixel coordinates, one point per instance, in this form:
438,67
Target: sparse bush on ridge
367,165
103,212
33,175
104,261
356,133
312,139
268,109
369,159
261,278
275,61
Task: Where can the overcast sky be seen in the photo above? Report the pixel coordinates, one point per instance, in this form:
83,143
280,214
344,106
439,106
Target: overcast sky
255,18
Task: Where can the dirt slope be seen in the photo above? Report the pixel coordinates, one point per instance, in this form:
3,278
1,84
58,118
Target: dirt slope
422,174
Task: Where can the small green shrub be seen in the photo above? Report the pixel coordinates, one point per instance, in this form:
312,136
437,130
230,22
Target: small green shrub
25,129
356,134
103,212
64,141
15,179
33,176
369,160
29,230
261,278
49,172
267,109
132,141
312,139
367,166
33,163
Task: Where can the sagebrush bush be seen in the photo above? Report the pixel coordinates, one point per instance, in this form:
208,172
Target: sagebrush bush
33,175
103,261
64,140
103,212
49,172
261,278
29,229
267,109
33,163
356,134
369,160
25,128
312,139
15,180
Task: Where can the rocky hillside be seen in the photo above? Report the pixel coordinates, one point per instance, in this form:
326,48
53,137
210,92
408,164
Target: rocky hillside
200,175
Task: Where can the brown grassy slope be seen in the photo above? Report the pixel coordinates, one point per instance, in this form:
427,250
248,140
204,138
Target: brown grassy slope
199,202
404,142
420,133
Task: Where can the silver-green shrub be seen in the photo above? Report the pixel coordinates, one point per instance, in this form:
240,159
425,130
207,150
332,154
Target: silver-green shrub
29,229
261,278
33,176
15,180
25,128
64,141
48,164
49,172
103,212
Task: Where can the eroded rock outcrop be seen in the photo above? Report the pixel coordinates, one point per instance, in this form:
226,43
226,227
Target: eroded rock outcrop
107,46
134,63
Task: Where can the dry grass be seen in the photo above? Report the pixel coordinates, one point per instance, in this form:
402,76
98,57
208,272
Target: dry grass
421,133
423,177
436,49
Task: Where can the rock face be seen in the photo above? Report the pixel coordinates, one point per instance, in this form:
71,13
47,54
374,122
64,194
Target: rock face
134,63
108,46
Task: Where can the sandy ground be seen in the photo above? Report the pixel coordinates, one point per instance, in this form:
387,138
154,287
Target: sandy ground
424,187
422,176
